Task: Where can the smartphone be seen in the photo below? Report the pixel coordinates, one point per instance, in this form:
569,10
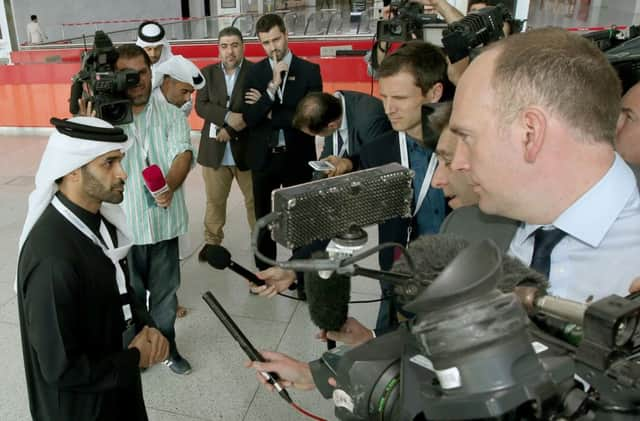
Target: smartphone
321,165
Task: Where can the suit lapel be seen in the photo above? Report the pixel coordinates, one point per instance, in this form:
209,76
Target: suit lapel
220,84
237,93
291,73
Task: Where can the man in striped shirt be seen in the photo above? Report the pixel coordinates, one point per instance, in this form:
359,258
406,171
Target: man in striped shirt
161,136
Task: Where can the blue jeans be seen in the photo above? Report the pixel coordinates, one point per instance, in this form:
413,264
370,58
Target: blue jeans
156,268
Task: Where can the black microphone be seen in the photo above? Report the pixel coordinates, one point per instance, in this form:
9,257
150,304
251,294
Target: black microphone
244,343
220,258
328,299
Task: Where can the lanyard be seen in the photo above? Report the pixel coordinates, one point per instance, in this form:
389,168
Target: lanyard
345,141
141,138
431,169
282,86
344,148
114,254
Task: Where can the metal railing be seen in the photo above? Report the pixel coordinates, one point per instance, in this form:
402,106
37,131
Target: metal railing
301,22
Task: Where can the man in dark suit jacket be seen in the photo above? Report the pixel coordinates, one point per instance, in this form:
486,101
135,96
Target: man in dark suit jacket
409,78
346,120
223,143
278,154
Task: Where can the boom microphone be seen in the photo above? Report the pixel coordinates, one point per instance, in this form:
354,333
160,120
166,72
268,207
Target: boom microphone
220,258
328,299
432,253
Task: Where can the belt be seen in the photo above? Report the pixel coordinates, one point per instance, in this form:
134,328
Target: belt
279,149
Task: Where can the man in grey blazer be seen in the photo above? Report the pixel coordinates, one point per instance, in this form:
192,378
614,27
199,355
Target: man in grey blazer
223,143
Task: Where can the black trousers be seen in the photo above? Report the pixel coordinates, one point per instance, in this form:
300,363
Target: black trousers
283,170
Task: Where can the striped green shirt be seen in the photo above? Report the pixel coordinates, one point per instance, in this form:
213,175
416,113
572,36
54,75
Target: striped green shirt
160,132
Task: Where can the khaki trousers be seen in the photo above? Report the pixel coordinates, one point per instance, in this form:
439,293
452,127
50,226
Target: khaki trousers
217,184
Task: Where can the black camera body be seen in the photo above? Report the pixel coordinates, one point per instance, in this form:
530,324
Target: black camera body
471,353
106,88
479,28
406,24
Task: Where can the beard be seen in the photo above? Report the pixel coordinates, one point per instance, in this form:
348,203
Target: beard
95,189
142,97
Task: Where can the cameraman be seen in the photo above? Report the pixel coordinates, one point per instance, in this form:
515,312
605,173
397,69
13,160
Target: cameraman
161,136
382,48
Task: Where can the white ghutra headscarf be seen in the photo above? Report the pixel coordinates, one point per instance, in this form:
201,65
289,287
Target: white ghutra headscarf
63,154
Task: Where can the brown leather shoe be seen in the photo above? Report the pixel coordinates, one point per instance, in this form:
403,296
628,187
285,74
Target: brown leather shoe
202,255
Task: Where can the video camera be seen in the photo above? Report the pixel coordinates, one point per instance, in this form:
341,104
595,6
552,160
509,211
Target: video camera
478,28
407,22
106,87
472,354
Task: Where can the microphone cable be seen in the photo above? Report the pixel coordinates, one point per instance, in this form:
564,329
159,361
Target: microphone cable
306,413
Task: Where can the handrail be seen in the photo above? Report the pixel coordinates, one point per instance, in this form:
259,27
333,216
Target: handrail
202,32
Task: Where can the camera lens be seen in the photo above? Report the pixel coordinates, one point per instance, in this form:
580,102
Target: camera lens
115,112
395,29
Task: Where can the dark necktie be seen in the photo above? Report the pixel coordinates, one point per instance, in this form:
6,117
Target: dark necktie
340,143
544,242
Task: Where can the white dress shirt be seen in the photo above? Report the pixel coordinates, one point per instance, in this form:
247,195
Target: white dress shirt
600,255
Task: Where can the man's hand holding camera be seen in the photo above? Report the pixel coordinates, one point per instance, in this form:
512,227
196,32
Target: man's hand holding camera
352,333
85,108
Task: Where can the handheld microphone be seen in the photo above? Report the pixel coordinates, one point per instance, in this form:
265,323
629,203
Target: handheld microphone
154,180
244,343
220,258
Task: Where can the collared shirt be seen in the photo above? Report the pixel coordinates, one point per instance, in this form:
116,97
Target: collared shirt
344,126
230,82
598,256
160,132
431,213
287,59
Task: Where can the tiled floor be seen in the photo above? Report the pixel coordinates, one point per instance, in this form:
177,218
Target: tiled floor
219,388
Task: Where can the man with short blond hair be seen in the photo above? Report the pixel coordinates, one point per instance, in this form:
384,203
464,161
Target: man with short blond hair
534,153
